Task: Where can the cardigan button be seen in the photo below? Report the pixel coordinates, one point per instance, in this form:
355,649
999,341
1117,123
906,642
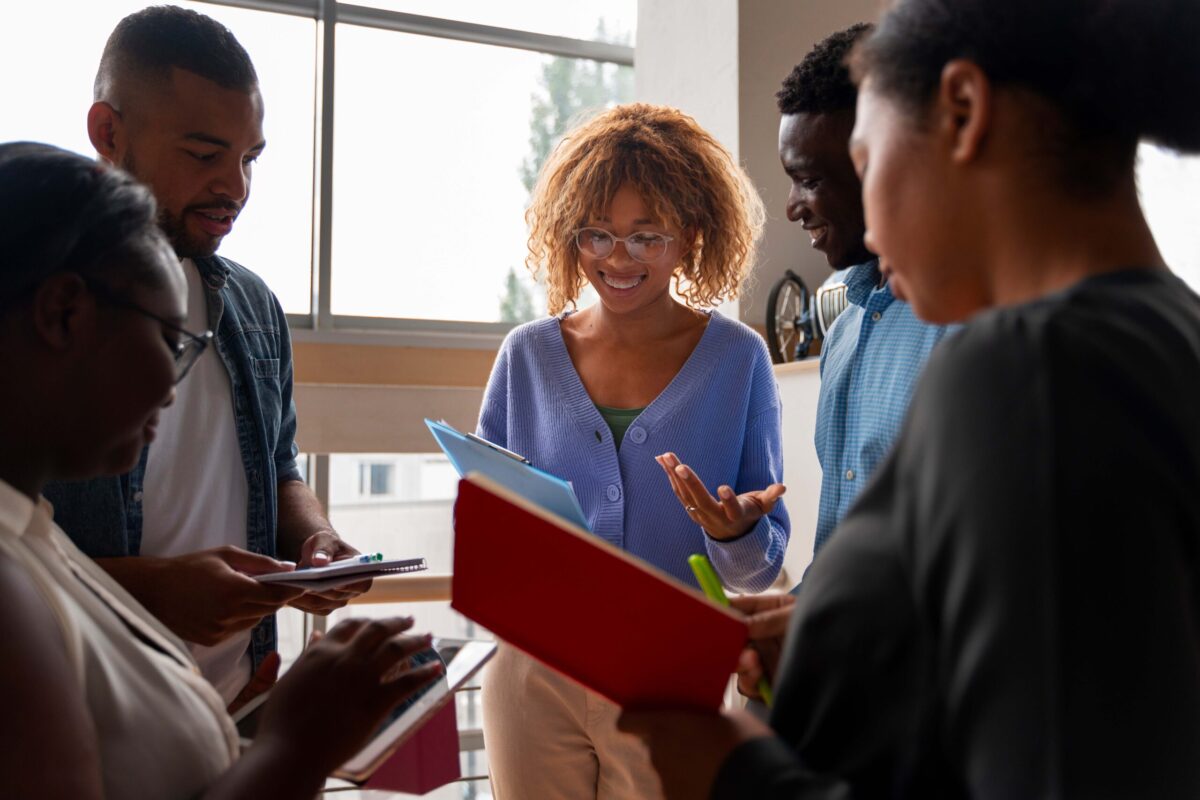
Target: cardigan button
637,435
614,492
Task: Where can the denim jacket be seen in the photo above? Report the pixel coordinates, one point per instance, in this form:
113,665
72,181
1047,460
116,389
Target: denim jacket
104,516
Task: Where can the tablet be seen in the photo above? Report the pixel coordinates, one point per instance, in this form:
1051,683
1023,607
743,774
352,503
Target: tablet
469,453
405,720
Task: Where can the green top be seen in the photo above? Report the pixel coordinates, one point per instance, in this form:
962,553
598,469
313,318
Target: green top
619,420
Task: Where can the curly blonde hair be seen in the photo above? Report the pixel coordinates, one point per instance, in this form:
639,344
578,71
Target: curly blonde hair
687,180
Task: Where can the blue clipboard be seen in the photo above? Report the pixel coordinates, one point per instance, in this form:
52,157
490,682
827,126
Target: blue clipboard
469,453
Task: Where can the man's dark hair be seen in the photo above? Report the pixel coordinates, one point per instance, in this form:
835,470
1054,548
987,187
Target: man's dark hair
150,42
821,82
61,212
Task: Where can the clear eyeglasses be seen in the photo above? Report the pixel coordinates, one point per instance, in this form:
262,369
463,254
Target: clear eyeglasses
643,246
187,349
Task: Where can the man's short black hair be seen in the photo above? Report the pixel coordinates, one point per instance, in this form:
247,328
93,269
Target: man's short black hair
150,42
821,82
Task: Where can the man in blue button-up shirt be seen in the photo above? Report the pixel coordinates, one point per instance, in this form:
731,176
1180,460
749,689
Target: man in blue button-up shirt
875,349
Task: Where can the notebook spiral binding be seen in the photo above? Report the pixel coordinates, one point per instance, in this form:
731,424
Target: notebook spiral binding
415,565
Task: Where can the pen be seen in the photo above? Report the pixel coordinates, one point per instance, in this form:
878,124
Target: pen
711,584
366,558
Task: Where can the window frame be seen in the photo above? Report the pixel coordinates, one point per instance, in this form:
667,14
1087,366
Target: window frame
320,324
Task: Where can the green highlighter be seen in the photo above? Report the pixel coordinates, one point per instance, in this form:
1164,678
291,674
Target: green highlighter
711,584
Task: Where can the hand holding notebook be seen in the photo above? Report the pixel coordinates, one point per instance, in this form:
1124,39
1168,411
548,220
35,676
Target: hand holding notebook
342,572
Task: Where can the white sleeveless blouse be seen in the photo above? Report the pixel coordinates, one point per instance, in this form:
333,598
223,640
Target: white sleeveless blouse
161,729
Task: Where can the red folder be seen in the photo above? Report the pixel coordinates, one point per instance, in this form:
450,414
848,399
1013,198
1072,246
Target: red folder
596,614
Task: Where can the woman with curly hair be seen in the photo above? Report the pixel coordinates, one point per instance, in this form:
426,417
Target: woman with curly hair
635,202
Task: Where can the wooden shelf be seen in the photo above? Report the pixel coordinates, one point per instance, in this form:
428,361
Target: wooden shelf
420,587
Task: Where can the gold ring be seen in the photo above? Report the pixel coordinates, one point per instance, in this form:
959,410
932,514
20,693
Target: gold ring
691,509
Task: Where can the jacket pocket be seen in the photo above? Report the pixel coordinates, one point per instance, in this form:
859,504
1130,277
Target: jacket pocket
266,367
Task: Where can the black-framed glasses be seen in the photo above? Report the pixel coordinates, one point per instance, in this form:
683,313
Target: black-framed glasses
643,246
190,345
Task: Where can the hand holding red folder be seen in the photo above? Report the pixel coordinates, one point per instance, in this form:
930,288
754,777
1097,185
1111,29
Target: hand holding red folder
769,616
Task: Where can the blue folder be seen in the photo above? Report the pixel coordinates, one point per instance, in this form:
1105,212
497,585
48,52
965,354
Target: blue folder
469,453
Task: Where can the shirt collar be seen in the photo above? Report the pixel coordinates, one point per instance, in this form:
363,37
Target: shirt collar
212,270
16,509
862,280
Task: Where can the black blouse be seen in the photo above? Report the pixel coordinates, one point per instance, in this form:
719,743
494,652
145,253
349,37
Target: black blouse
1012,608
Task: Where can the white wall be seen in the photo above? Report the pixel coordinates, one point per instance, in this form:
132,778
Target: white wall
798,387
687,57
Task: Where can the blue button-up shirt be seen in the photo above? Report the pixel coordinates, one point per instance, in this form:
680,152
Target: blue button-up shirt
103,516
870,362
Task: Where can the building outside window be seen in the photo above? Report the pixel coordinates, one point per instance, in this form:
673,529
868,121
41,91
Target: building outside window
375,480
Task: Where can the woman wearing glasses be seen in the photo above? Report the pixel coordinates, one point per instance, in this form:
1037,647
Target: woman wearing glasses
635,203
103,700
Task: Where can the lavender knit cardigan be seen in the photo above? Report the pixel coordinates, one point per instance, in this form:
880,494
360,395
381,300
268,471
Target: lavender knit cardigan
720,414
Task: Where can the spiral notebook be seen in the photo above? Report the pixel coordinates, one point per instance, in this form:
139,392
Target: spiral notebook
340,573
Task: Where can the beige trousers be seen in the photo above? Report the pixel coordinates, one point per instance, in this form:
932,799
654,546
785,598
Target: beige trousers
548,738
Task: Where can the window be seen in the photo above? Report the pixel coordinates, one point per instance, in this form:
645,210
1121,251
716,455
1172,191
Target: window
577,19
416,524
274,234
431,127
431,185
1169,185
375,480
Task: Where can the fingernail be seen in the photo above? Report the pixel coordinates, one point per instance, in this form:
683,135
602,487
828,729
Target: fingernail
681,470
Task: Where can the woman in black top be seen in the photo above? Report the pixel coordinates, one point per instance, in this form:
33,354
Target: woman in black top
1012,609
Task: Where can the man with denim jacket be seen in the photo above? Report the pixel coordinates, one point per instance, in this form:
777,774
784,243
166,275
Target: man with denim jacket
218,496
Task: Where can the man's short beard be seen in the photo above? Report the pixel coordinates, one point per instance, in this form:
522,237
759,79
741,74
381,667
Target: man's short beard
173,226
185,246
